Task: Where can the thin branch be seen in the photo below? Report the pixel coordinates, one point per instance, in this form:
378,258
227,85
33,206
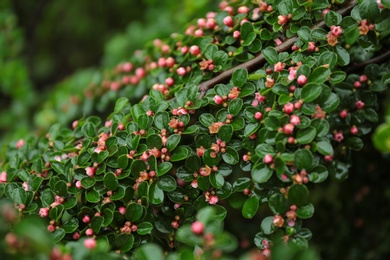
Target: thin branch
377,59
259,60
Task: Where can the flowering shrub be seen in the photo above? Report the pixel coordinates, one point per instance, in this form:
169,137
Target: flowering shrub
250,107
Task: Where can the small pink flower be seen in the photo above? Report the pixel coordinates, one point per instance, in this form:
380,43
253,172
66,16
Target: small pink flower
288,108
282,19
295,120
311,46
338,136
343,113
90,243
169,81
195,50
243,10
228,21
302,80
354,130
90,171
237,34
89,232
194,184
78,185
19,143
197,227
3,177
278,41
218,99
292,73
278,67
359,104
44,212
258,115
86,219
181,71
213,200
336,30
268,159
288,129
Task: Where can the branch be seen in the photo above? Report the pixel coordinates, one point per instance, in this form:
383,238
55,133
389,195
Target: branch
377,59
259,60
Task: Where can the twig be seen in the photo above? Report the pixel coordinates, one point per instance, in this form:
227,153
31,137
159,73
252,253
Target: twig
377,59
259,60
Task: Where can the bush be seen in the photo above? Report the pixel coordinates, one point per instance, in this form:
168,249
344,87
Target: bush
246,111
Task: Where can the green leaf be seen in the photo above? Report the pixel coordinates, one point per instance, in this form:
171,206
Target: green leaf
332,18
193,163
246,30
368,9
328,58
217,180
166,183
318,174
307,135
163,168
156,195
271,55
325,147
125,242
220,58
306,211
304,33
298,195
61,188
250,207
206,119
58,235
261,173
386,3
241,184
134,212
311,91
303,159
88,129
381,137
277,203
235,106
172,142
87,182
120,104
230,156
343,56
319,75
249,39
251,128
144,228
239,77
161,120
110,181
355,143
267,225
154,141
70,225
180,153
92,196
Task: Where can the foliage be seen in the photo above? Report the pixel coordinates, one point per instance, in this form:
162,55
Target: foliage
247,111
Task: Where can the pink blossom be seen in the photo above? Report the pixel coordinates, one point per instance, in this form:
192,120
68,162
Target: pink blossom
213,200
197,227
44,212
292,73
90,243
3,177
19,143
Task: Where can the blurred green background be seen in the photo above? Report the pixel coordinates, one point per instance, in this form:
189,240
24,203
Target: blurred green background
50,51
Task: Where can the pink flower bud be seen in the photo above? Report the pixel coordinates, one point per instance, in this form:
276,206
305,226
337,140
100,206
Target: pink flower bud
228,21
338,136
218,99
288,129
236,34
258,115
288,108
295,120
213,200
181,71
359,104
90,243
268,159
197,228
195,50
343,113
302,80
311,46
336,30
354,130
89,232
